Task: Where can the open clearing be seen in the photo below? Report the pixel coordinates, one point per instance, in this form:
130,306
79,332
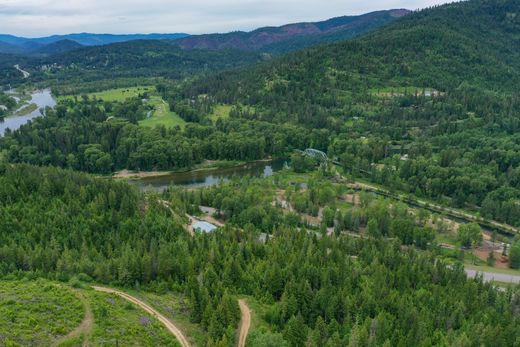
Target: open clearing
169,325
162,115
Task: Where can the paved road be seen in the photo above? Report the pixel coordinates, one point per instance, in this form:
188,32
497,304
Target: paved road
24,73
169,325
490,276
245,323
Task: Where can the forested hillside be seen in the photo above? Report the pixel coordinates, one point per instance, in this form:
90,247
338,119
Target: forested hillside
476,42
133,59
291,37
322,291
427,105
365,241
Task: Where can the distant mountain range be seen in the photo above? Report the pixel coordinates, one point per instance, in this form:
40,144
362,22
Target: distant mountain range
291,37
274,40
61,43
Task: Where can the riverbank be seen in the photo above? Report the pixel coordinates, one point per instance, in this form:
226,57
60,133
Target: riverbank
28,107
208,165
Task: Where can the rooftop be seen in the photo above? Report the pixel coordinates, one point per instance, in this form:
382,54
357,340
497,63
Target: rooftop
204,227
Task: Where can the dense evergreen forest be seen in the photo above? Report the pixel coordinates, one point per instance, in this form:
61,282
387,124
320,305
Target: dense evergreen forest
426,106
436,89
100,137
132,59
328,291
444,127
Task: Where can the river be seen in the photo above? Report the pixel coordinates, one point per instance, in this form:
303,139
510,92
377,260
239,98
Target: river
42,98
202,178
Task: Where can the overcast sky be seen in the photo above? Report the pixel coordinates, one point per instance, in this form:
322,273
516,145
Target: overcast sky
34,18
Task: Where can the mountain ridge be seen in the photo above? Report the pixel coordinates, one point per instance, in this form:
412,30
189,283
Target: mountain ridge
259,39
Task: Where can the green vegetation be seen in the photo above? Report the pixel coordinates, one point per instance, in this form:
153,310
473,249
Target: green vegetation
120,94
119,322
176,308
320,259
26,110
36,312
458,149
220,112
470,235
42,313
161,115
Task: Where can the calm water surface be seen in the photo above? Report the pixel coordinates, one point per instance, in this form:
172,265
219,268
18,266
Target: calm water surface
194,179
42,98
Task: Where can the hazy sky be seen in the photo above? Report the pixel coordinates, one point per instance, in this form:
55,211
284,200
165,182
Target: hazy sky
44,17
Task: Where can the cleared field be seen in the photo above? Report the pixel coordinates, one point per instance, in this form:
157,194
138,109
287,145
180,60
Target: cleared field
121,94
118,94
220,111
175,308
119,322
37,313
45,313
162,115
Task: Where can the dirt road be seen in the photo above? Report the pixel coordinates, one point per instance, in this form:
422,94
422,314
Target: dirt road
167,323
84,328
245,323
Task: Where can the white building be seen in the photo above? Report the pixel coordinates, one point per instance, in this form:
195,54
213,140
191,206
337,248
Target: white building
204,227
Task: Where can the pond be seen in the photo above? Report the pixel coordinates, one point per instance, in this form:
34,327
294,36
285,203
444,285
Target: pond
203,178
42,98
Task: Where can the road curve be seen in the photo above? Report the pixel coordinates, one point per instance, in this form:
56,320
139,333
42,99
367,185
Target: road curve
167,323
245,323
490,276
23,72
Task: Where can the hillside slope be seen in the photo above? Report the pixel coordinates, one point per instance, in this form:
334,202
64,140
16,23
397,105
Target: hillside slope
57,47
139,58
476,42
293,36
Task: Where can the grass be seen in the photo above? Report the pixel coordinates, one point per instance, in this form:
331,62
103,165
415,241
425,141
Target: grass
36,313
220,111
121,94
162,115
118,94
44,313
119,322
26,110
174,307
259,326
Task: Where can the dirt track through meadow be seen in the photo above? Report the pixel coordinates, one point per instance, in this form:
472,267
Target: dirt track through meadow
165,321
245,323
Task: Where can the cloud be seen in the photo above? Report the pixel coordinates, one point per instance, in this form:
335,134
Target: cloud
44,17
